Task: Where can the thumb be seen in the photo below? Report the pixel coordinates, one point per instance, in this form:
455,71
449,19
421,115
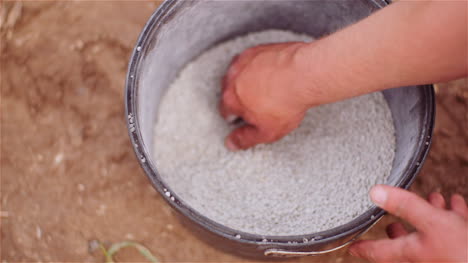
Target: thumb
244,137
405,205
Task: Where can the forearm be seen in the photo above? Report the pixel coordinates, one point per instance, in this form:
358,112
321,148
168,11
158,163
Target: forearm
404,44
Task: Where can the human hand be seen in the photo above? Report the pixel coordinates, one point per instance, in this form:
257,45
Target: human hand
267,87
441,234
271,86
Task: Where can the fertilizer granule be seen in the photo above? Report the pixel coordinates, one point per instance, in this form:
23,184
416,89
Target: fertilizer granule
314,179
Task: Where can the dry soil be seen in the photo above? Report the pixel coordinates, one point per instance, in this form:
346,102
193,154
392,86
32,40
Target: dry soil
68,173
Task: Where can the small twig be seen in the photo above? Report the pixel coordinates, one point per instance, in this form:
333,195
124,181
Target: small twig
106,254
116,247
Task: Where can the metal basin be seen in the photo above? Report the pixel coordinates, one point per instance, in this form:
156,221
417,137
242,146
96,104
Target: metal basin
180,30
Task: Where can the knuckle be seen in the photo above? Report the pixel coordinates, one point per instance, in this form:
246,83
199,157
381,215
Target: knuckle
402,201
372,252
232,72
237,137
400,206
228,99
410,247
225,96
270,136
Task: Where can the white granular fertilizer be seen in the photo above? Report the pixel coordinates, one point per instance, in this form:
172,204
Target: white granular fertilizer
316,178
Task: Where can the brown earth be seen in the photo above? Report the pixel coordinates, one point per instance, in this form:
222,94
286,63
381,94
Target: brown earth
68,173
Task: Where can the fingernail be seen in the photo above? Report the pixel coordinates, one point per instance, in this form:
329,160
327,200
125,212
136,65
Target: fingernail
230,118
231,146
378,195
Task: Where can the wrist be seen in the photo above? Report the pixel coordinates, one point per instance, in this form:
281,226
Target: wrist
319,70
337,68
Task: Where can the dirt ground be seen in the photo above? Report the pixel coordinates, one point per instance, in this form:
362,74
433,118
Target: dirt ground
68,173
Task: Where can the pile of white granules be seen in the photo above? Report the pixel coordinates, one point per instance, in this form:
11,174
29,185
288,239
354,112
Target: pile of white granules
314,179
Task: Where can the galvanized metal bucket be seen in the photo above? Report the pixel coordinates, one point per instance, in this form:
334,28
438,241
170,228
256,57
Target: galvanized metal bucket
180,30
